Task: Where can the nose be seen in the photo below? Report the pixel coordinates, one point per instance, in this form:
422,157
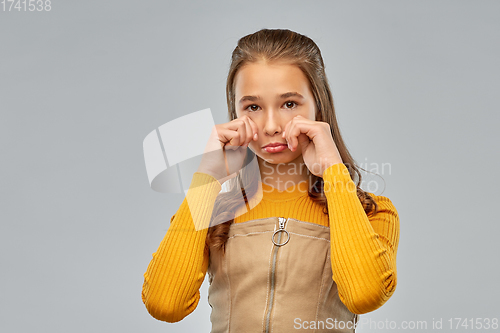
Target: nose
272,124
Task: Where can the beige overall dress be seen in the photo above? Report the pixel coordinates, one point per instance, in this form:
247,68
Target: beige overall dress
276,276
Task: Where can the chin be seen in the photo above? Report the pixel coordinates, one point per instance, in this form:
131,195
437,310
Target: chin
279,158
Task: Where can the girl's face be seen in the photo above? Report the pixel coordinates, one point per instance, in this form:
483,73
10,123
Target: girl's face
271,95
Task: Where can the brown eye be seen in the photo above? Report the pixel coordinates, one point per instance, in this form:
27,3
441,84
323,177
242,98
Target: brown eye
290,104
253,107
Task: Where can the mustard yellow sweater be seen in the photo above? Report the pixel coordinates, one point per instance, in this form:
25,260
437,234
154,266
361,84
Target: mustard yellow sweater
363,249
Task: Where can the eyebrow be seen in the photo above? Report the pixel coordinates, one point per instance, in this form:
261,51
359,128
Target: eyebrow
282,96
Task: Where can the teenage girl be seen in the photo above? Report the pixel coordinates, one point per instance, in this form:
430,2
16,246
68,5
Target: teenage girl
294,243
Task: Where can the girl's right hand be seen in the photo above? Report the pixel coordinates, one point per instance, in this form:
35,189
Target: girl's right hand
234,137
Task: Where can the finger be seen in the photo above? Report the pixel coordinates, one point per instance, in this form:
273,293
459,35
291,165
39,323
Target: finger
288,137
287,126
286,130
298,127
255,129
248,131
303,141
242,130
237,125
229,138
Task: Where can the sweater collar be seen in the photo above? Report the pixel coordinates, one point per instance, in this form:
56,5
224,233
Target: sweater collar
273,194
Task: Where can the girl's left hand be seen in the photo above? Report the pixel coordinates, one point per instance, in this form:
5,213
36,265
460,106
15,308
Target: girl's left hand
315,139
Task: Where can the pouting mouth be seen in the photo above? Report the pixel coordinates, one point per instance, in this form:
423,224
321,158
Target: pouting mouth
275,144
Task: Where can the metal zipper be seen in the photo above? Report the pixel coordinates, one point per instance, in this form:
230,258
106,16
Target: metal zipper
281,229
281,225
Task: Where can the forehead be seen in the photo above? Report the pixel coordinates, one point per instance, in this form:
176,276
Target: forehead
267,79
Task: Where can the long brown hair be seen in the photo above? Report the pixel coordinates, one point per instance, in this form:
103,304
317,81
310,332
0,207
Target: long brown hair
280,45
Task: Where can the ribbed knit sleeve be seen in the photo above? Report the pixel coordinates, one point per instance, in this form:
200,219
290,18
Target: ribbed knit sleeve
176,272
363,248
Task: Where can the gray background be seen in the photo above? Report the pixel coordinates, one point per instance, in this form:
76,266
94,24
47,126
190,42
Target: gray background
415,85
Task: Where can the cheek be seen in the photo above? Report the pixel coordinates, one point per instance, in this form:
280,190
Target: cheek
255,146
311,113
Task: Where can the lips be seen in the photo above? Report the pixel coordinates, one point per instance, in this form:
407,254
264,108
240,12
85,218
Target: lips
275,144
275,147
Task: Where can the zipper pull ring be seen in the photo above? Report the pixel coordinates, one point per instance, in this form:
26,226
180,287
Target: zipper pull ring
281,229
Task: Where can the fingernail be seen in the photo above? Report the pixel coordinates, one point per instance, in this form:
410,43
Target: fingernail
255,136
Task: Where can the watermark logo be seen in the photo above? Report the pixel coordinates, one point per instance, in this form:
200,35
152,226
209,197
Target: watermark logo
329,323
172,154
457,323
168,145
174,151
